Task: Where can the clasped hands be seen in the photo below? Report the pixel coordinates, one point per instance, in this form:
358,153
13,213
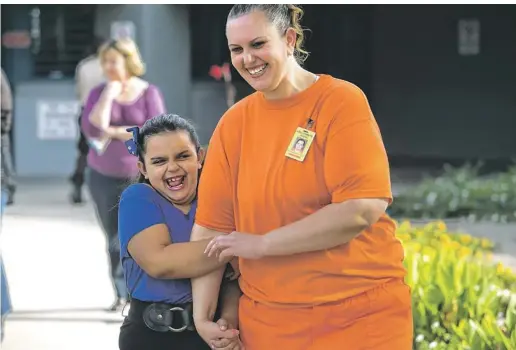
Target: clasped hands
243,245
219,335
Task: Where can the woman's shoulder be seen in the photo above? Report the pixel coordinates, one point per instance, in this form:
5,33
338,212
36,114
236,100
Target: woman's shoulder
344,103
342,89
98,88
234,115
148,87
97,91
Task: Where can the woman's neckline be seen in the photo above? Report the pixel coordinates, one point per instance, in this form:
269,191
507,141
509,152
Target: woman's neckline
136,99
321,80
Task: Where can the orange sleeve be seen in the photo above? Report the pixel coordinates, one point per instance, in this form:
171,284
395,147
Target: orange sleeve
355,160
215,193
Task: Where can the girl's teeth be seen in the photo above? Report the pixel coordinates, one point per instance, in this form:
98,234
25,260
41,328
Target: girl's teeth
174,181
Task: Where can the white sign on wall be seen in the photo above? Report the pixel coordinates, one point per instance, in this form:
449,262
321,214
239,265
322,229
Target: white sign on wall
57,120
469,37
123,29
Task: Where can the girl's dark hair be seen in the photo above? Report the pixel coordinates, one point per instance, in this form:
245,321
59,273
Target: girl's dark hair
283,17
161,124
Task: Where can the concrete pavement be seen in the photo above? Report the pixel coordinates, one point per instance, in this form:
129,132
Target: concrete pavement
56,263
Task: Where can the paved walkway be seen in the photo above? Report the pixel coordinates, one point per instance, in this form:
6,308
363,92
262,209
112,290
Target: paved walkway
56,264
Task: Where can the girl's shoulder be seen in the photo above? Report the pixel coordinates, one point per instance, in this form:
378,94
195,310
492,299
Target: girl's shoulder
139,190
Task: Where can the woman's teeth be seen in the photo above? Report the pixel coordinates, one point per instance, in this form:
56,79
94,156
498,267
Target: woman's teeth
257,71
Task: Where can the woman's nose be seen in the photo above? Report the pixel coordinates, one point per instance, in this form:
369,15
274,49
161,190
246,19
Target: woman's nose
248,59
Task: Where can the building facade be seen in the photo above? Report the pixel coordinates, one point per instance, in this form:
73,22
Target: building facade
440,79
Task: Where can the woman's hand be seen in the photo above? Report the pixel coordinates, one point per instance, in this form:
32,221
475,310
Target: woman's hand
219,335
239,244
117,132
113,89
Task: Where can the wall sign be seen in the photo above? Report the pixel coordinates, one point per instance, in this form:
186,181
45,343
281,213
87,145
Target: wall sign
469,37
123,29
57,120
16,39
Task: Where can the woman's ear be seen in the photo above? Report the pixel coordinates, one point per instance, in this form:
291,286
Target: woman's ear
291,37
141,168
201,154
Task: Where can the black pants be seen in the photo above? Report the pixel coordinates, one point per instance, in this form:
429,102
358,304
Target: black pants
134,335
77,177
105,192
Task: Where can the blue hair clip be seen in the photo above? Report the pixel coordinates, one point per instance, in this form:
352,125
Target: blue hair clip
132,144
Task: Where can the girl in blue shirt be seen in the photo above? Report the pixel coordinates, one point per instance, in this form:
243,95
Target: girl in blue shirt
156,216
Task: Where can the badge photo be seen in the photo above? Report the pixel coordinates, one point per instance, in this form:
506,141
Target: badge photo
300,144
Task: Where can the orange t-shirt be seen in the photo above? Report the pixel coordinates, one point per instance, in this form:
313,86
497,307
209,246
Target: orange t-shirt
249,185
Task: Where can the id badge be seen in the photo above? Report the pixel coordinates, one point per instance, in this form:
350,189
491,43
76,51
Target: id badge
300,144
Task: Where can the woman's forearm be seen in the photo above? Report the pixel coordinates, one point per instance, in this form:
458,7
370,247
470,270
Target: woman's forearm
118,132
205,289
331,226
100,116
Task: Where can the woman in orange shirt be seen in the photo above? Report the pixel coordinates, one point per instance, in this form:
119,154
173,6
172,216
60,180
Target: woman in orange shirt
320,265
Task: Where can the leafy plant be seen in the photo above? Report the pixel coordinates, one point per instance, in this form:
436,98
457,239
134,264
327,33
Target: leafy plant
461,192
461,299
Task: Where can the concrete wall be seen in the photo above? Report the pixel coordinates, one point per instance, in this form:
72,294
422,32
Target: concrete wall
431,101
49,107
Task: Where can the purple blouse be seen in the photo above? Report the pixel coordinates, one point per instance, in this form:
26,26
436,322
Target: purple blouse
116,161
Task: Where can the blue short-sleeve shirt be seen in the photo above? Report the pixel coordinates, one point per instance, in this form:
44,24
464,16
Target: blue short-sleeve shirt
142,207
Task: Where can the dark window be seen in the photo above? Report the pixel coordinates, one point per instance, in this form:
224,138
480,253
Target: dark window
208,39
61,37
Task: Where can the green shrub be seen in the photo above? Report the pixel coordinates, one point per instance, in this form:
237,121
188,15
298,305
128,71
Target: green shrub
461,192
461,299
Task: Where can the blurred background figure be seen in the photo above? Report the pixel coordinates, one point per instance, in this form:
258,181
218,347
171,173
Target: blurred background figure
7,185
7,164
124,101
5,295
88,75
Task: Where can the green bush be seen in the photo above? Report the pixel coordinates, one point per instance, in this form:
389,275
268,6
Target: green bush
461,299
461,192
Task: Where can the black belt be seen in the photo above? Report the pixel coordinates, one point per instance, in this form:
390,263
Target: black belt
162,317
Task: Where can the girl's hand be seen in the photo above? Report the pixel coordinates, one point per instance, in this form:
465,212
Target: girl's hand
212,332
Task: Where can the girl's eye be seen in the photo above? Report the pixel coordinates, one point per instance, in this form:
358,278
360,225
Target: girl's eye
236,49
258,44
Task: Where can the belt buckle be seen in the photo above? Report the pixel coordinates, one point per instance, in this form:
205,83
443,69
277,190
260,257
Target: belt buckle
185,320
160,317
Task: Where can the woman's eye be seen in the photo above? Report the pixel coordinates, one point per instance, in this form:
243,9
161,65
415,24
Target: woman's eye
236,49
258,44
